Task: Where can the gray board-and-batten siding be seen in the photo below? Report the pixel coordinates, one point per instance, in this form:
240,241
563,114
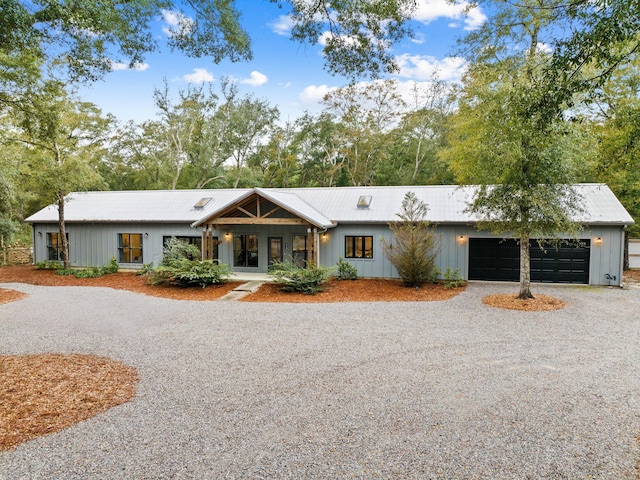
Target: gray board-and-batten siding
96,218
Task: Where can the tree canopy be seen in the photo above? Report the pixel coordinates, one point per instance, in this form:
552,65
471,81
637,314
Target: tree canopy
85,37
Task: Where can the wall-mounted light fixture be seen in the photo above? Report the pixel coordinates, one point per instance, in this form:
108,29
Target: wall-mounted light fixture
146,235
462,239
227,236
39,234
324,237
598,241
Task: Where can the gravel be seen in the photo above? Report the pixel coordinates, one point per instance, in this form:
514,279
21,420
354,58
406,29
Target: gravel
433,390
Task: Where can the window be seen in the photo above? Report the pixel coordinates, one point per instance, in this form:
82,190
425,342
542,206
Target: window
197,241
245,250
299,250
54,246
129,248
358,246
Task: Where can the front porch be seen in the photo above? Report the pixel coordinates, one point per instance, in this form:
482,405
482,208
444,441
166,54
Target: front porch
259,229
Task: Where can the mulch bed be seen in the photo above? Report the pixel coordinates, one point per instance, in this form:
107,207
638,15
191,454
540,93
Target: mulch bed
121,281
42,394
361,290
7,295
511,302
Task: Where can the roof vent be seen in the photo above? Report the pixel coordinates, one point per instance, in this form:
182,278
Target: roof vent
202,202
364,201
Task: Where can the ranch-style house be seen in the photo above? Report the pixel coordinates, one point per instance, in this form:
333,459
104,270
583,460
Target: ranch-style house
251,228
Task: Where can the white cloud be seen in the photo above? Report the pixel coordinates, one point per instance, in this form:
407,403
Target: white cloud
176,23
138,67
282,26
314,93
199,75
430,10
423,67
419,38
348,40
544,47
256,79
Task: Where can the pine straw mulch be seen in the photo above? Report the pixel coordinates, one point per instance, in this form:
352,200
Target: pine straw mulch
7,295
120,281
42,394
361,290
539,303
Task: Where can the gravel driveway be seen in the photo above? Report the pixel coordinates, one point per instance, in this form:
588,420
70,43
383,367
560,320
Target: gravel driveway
439,390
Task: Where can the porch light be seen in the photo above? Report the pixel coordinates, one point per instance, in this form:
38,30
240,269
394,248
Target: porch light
461,239
227,236
324,237
598,241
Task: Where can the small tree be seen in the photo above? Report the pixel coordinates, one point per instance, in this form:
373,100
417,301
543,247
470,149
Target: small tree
414,250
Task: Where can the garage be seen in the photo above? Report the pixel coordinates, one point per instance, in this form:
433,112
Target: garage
497,259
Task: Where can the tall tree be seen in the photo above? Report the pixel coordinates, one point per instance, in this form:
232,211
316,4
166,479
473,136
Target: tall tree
419,137
365,114
508,132
63,139
248,121
181,128
318,148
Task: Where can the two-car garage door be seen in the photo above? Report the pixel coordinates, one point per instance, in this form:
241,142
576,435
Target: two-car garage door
499,260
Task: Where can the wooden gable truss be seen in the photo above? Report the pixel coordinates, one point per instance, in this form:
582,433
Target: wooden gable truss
256,210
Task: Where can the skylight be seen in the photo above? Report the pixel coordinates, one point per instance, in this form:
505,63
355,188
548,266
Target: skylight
364,201
202,202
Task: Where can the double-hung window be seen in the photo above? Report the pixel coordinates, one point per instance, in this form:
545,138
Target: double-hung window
129,248
358,246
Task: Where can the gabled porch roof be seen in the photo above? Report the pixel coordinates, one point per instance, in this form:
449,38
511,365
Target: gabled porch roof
282,207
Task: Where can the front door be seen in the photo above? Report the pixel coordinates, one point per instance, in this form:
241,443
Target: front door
275,250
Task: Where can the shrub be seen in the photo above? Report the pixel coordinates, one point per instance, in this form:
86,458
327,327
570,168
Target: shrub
346,271
111,267
292,278
181,265
48,265
414,250
177,250
145,269
452,279
189,273
91,272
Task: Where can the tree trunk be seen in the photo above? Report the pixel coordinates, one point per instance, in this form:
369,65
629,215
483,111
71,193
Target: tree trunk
63,231
525,269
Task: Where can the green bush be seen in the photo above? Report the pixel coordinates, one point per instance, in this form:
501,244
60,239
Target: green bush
175,251
346,271
452,279
189,273
48,265
181,265
292,278
90,272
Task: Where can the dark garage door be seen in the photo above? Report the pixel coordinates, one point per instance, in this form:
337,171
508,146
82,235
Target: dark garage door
499,260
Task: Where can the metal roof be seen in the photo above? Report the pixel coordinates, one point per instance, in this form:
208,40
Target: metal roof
136,206
323,206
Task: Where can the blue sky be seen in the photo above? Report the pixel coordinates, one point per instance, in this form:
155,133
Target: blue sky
288,74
